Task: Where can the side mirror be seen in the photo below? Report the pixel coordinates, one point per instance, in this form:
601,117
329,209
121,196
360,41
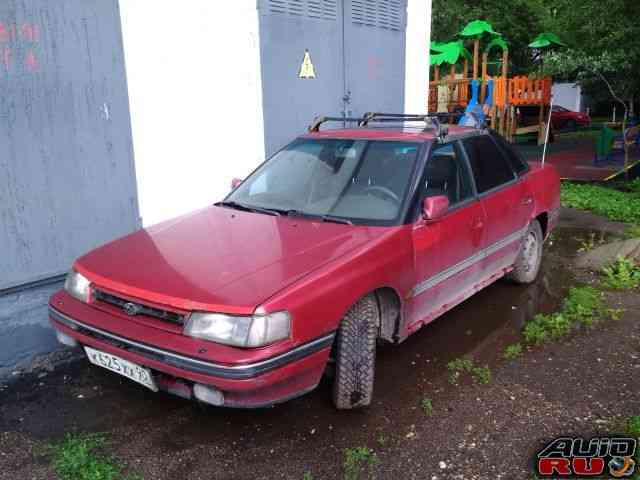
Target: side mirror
434,208
235,182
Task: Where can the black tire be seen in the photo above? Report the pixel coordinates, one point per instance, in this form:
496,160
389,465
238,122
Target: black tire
527,265
571,125
356,355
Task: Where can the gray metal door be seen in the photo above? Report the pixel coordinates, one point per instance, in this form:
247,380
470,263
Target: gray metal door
375,55
288,29
356,47
67,181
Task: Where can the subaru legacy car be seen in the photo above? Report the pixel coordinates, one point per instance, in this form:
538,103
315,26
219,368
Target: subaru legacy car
343,239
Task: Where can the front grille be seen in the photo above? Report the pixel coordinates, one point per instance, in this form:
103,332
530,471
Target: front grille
141,309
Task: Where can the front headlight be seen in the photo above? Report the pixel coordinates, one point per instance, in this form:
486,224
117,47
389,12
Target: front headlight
78,286
253,331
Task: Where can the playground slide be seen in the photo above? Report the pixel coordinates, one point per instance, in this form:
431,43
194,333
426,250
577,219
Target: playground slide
475,109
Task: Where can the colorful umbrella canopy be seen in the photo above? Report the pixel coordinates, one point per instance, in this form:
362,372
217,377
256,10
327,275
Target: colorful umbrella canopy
547,39
448,53
477,28
499,43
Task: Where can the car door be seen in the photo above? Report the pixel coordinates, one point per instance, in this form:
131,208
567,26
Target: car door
506,201
447,261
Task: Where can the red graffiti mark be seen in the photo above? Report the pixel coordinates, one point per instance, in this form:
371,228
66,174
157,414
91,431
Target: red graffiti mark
22,42
6,57
29,32
31,62
374,68
4,33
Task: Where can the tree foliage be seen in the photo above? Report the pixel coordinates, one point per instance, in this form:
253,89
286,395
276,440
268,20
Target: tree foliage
603,38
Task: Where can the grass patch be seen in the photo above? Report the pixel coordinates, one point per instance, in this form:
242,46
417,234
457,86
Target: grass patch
634,185
633,426
307,476
460,366
427,406
613,204
512,351
632,231
359,461
623,274
583,306
82,457
591,242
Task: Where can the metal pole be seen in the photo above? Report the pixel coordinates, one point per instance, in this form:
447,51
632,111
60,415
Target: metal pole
546,139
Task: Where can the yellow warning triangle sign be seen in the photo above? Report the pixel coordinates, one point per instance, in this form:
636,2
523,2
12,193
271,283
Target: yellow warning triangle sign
306,69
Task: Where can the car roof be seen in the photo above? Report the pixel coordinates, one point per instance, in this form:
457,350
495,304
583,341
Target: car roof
389,133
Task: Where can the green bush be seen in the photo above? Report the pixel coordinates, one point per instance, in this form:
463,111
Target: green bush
80,457
583,305
359,461
623,274
513,351
464,365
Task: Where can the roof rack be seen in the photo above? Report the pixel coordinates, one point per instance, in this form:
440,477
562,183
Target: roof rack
432,121
315,126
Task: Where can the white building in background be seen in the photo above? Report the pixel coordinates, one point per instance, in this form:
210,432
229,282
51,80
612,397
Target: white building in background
214,86
569,96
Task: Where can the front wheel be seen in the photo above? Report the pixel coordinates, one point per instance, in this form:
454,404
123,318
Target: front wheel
356,355
527,265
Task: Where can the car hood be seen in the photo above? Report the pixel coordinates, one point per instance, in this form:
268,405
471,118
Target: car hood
218,259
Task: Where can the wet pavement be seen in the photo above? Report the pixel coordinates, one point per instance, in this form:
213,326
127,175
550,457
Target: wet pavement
308,430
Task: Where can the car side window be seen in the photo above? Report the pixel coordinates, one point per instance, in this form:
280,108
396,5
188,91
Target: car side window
518,164
490,168
446,174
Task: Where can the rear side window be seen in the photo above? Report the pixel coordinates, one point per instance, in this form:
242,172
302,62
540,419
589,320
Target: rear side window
518,164
490,167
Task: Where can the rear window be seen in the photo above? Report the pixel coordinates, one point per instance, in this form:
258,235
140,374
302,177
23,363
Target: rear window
519,165
489,166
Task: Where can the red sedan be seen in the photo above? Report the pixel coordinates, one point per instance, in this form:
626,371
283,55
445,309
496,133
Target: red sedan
562,118
343,239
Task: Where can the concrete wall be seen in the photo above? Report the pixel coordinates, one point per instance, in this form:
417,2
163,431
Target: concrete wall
67,179
417,56
196,100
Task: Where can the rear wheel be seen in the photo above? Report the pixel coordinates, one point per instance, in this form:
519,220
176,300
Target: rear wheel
356,355
527,265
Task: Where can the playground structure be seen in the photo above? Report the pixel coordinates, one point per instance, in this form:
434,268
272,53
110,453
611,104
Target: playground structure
494,99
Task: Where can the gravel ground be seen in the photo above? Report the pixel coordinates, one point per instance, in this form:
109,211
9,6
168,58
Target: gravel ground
578,386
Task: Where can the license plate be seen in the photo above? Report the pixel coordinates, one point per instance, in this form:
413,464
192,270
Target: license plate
124,367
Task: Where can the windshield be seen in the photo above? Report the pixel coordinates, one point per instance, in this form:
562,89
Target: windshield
359,180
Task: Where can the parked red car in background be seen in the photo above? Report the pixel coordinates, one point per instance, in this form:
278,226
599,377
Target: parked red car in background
343,239
562,118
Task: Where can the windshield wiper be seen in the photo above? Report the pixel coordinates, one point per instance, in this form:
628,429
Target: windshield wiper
334,219
248,208
292,212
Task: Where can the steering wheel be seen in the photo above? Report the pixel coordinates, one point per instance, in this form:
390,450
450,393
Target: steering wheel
388,193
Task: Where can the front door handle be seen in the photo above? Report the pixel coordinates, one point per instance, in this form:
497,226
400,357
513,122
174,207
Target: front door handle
527,201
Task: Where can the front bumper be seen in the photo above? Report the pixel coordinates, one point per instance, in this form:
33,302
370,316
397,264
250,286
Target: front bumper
261,383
